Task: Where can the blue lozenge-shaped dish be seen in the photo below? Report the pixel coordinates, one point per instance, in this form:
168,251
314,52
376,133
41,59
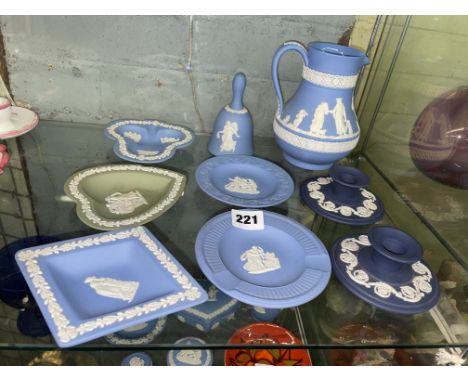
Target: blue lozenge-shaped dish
147,141
209,315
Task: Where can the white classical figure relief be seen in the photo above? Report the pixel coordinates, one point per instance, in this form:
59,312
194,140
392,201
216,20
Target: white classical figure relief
136,361
242,186
342,123
135,137
318,120
212,293
108,287
169,139
124,203
259,261
190,357
230,130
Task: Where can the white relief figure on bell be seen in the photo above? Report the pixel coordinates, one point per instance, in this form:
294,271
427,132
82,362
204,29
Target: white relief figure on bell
108,287
230,130
259,261
242,186
212,293
342,123
190,357
316,126
124,203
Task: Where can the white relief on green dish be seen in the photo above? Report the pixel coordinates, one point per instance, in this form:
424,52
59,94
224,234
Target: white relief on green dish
124,203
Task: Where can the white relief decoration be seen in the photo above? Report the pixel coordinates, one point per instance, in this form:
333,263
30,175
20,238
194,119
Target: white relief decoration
328,80
260,310
412,292
209,316
119,203
259,261
147,153
367,209
65,330
136,361
190,357
113,288
235,111
212,293
74,190
141,340
169,139
230,130
200,327
112,131
343,125
242,186
135,137
231,316
311,144
215,325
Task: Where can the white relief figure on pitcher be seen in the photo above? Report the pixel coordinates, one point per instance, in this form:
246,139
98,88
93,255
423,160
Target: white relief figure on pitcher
342,123
259,261
316,127
230,130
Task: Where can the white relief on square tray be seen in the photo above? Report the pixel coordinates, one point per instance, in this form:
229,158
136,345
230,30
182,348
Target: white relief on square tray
109,287
259,261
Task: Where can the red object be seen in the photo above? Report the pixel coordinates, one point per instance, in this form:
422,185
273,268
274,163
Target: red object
439,140
265,334
4,158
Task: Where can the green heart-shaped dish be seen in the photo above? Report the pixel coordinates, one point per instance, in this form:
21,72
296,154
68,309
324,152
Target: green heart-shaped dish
117,196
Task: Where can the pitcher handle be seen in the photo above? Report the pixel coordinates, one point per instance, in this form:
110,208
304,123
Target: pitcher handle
287,46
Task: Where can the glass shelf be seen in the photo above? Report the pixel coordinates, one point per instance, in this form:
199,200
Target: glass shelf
330,326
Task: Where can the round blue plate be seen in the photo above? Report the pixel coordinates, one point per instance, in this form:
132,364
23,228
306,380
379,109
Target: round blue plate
137,359
351,265
281,266
244,181
190,357
147,141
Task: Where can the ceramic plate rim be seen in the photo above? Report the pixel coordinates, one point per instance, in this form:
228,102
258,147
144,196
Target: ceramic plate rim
203,180
120,145
296,300
87,215
67,335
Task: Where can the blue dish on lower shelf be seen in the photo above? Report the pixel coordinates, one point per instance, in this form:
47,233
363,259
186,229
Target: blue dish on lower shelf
137,359
147,141
212,313
385,269
284,265
100,284
188,356
140,334
244,181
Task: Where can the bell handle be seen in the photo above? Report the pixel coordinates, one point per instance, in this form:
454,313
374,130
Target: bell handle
287,46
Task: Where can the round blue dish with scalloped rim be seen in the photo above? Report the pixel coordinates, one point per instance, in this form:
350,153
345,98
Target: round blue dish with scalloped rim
244,181
147,141
282,266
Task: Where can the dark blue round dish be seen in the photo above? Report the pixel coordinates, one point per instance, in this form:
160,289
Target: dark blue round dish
342,197
13,287
385,269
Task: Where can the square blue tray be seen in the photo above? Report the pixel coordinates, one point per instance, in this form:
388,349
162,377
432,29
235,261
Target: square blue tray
99,284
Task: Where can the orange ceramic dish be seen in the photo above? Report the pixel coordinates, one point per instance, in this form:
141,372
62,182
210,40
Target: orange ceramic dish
265,334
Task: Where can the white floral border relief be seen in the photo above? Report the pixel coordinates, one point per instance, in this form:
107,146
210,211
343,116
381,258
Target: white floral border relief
67,332
310,144
412,292
217,312
327,80
85,204
115,339
367,209
112,131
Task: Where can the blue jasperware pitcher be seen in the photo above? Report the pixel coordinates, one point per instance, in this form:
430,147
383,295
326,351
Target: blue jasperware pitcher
318,125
